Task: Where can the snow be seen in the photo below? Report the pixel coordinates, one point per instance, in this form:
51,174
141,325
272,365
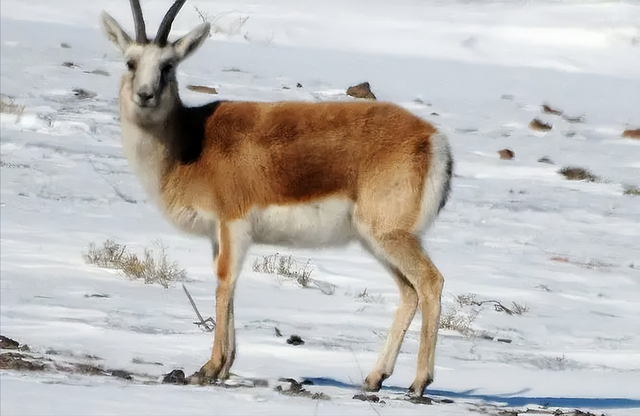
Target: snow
513,231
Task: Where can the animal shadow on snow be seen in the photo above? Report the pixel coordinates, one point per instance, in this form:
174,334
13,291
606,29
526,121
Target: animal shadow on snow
514,399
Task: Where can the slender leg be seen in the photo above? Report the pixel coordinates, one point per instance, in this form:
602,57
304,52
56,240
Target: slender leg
234,239
403,250
403,317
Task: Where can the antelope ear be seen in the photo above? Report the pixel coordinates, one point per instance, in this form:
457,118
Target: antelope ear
115,33
187,44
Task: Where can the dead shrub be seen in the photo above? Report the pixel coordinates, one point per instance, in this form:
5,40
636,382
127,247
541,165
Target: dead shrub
576,173
153,267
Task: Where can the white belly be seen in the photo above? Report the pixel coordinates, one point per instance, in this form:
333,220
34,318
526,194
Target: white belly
317,223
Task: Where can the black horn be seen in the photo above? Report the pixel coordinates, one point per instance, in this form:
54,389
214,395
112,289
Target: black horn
138,21
165,26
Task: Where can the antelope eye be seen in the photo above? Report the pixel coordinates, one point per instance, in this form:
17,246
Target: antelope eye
131,65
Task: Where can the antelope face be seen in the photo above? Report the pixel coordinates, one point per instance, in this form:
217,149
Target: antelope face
149,83
149,90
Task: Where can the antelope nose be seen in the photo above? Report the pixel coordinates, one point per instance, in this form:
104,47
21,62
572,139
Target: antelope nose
144,96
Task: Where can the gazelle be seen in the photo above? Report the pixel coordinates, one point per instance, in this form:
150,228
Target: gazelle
288,173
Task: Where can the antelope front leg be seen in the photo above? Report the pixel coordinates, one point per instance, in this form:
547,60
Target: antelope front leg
233,240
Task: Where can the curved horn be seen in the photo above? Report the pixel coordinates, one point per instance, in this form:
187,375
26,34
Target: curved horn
138,21
165,26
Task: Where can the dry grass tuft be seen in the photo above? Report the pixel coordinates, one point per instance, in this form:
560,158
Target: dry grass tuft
631,190
288,268
575,173
9,106
153,267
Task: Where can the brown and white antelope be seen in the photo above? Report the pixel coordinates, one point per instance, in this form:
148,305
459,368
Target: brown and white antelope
287,173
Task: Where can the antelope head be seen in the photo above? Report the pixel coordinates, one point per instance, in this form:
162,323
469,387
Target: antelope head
149,89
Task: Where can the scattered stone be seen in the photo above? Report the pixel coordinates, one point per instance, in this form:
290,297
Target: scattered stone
121,374
506,154
295,340
537,124
83,94
298,85
546,159
175,377
136,360
549,110
505,340
286,87
296,389
577,119
435,114
368,398
278,333
65,45
570,134
631,134
361,91
69,64
98,72
203,89
97,295
8,343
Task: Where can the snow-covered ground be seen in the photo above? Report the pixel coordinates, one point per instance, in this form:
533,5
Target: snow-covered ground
513,231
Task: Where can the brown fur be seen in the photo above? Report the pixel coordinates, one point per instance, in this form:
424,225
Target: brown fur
257,154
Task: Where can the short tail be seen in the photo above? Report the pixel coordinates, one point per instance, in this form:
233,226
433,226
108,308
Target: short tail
437,186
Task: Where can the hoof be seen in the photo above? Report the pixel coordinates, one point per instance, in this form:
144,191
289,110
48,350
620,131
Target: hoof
208,374
373,382
417,388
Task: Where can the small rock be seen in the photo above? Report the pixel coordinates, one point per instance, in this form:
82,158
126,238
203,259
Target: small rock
278,333
175,377
295,340
98,72
83,94
367,397
69,64
506,154
65,45
361,91
507,97
434,114
298,85
631,134
539,125
203,89
549,110
121,374
8,343
546,159
570,119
